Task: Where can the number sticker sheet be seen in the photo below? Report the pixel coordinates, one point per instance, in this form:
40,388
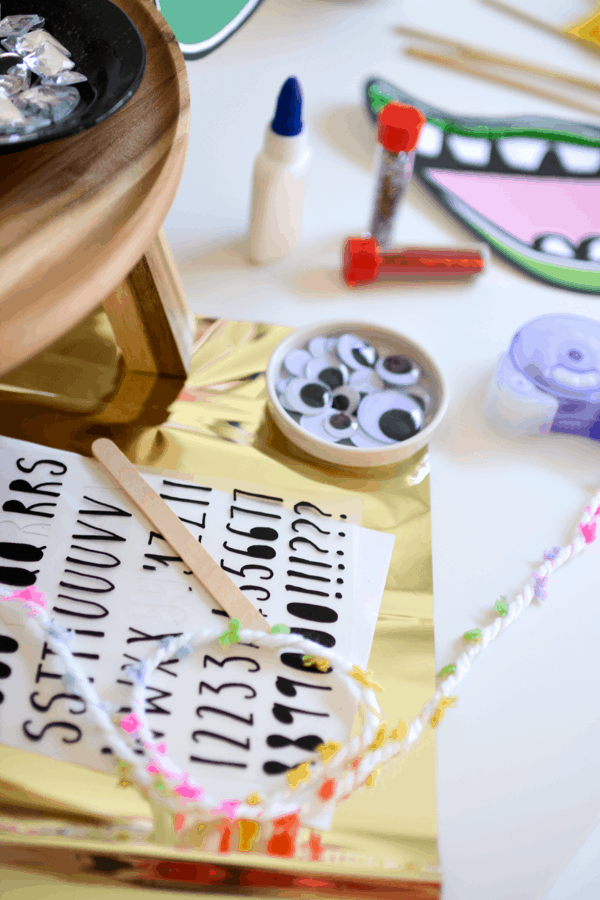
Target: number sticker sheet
228,715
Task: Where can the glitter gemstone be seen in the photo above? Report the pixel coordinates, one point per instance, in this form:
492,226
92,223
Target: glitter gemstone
47,60
52,101
16,26
9,85
35,39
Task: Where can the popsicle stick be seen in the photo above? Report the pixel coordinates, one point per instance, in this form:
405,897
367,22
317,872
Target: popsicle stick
480,72
511,62
210,575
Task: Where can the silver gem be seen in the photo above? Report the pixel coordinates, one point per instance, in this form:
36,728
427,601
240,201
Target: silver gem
16,26
10,115
35,39
47,60
21,72
9,85
65,77
49,101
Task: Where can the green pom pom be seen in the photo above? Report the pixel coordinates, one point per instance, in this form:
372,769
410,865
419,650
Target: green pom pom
280,629
501,606
473,637
447,670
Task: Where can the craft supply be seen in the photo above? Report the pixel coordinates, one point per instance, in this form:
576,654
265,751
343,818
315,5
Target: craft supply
364,262
127,608
549,379
585,32
35,52
370,398
398,129
481,70
469,52
528,186
279,175
354,764
220,587
49,49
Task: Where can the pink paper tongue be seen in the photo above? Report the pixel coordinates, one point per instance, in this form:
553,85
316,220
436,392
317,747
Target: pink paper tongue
526,206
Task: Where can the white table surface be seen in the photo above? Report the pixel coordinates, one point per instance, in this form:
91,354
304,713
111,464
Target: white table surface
518,773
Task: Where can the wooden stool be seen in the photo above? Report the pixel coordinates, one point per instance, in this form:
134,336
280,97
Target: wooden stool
81,226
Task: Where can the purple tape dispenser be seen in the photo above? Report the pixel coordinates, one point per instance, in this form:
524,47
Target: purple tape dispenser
549,379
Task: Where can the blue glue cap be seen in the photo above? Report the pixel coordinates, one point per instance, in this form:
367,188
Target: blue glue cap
288,115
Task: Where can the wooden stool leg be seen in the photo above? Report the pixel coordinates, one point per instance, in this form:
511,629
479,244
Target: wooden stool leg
150,317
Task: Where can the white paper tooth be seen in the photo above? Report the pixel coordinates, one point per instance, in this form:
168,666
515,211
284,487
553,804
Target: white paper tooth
577,159
556,245
431,141
593,250
522,152
471,151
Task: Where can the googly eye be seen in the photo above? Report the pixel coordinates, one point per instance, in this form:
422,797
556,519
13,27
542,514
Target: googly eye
281,385
318,346
419,393
345,399
315,425
296,360
361,439
355,352
307,397
366,381
390,417
339,425
328,370
398,370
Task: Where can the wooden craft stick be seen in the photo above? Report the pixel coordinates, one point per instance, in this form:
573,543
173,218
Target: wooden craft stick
525,17
511,62
210,575
480,72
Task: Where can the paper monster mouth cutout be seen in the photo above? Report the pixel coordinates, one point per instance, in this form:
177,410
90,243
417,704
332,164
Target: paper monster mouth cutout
529,186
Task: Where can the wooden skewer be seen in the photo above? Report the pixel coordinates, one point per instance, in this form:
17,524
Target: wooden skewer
472,69
530,20
218,584
509,61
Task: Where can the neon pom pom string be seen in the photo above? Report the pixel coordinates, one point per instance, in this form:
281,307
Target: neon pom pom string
343,767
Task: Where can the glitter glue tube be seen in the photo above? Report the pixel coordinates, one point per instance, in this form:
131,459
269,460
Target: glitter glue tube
398,129
364,262
279,175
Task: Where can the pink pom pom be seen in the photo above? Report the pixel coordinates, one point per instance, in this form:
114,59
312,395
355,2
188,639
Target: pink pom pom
35,599
130,723
228,808
589,532
187,790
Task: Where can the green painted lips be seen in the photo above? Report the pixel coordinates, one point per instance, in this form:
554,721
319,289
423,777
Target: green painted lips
563,157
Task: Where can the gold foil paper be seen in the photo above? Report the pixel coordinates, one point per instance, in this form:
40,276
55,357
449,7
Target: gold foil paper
218,425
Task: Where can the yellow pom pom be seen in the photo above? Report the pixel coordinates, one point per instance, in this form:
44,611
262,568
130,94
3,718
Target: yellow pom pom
443,705
298,774
329,750
253,799
319,662
399,732
379,738
365,678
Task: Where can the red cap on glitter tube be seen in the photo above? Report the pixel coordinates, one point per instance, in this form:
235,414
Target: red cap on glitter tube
399,126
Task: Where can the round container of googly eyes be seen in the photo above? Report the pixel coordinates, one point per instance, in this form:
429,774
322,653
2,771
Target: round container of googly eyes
355,395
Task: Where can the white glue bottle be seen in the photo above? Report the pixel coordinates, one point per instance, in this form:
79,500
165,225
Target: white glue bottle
279,174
